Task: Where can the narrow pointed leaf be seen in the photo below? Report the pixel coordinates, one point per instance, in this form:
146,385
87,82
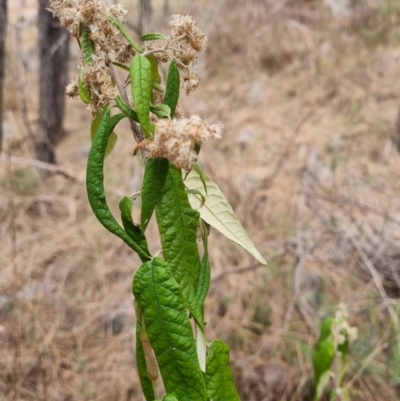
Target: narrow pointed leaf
172,88
146,383
127,110
95,180
114,20
161,110
168,327
141,77
153,36
217,212
219,378
87,45
178,223
155,174
112,139
132,229
203,284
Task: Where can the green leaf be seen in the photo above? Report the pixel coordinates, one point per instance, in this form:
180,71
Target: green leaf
127,110
114,20
141,78
87,45
83,91
112,139
201,347
169,397
155,174
132,229
168,327
153,36
161,110
219,378
217,212
202,176
197,193
95,181
324,354
157,87
154,68
172,88
203,284
146,383
120,65
178,223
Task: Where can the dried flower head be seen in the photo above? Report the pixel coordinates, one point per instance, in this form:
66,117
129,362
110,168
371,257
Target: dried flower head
176,140
72,90
190,83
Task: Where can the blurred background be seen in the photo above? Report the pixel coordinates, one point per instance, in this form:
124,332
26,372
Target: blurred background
308,92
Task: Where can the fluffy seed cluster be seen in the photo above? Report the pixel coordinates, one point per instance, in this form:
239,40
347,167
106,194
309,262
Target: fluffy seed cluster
73,15
179,140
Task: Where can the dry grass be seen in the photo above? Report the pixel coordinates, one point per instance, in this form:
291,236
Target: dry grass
308,161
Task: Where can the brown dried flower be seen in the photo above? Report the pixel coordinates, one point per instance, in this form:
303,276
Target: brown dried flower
176,140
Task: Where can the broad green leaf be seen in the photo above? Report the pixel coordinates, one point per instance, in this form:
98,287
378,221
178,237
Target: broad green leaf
146,383
161,110
132,229
172,88
324,354
114,20
127,110
217,212
87,45
154,68
141,78
83,91
153,36
219,378
155,174
112,139
95,180
178,223
169,330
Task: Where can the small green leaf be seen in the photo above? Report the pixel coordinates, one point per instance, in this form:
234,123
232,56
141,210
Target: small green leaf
201,347
217,212
154,68
219,378
197,193
324,354
127,110
169,397
203,284
146,383
124,67
158,87
87,45
132,229
112,139
168,327
83,91
177,223
141,78
155,174
202,176
114,20
153,36
161,110
95,180
172,88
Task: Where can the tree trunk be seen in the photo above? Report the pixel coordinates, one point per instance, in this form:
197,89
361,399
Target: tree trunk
3,25
53,76
144,14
